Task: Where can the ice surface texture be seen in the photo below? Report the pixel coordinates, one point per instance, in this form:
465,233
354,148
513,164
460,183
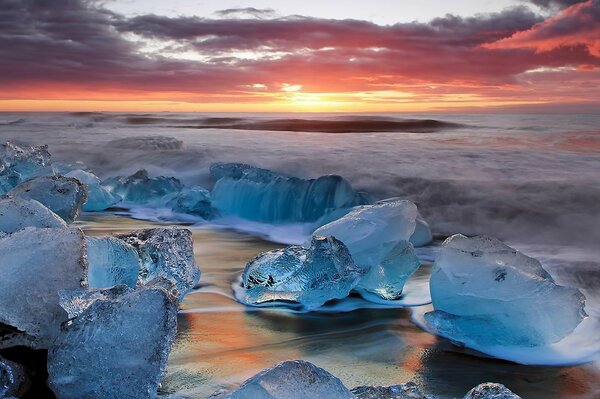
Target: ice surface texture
139,188
12,378
377,237
17,213
193,201
18,164
99,197
117,347
64,196
490,390
165,252
36,264
402,391
111,262
486,293
265,196
294,379
311,276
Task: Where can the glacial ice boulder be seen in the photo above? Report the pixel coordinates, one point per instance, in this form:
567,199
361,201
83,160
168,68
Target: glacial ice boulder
409,390
111,262
310,276
18,164
487,293
17,213
168,253
294,379
36,264
422,235
378,236
12,379
64,196
265,196
116,347
193,200
140,188
490,390
99,197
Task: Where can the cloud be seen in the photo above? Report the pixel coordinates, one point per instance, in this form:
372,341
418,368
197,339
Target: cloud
558,4
575,26
248,11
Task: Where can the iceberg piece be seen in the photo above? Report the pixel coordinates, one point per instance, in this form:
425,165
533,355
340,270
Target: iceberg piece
377,237
99,197
116,347
422,235
111,262
18,164
64,196
12,379
310,276
17,213
168,253
265,196
490,390
293,379
139,188
35,265
410,390
193,200
487,293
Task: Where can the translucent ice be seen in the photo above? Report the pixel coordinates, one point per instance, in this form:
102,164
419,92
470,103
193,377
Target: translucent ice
490,390
486,293
377,237
36,264
265,196
99,197
116,347
12,379
410,390
194,201
295,379
111,262
64,196
17,213
310,275
139,188
168,253
18,164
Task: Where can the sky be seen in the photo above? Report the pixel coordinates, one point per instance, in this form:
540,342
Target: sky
300,56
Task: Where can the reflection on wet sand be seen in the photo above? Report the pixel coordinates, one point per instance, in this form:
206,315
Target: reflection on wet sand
220,342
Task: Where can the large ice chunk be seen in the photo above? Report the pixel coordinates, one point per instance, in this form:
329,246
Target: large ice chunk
12,379
265,196
111,262
35,265
99,197
293,379
139,188
309,275
193,200
116,347
168,253
18,164
377,237
64,196
486,293
409,390
17,213
490,390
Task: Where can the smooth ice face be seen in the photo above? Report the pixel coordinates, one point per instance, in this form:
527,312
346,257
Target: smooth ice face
490,390
193,201
12,379
265,196
410,390
17,213
486,293
168,253
116,347
64,196
294,379
422,235
111,262
99,197
18,164
310,276
35,265
139,188
377,237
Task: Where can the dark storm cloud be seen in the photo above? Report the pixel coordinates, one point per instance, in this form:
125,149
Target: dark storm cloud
251,11
555,3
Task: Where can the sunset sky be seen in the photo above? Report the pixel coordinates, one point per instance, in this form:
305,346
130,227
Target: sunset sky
272,55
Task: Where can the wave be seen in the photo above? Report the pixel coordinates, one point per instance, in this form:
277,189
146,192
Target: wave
12,122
